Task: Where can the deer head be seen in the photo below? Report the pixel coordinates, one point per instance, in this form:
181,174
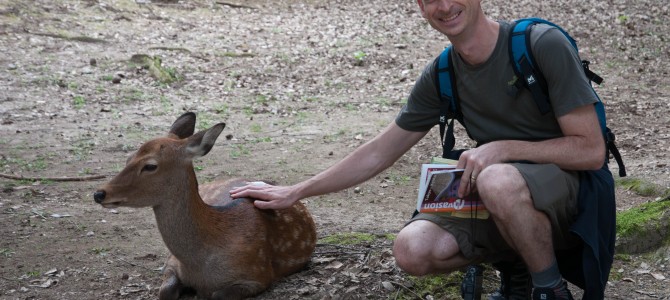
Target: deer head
160,166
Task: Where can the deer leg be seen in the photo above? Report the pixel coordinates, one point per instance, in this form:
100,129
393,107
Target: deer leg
172,286
239,291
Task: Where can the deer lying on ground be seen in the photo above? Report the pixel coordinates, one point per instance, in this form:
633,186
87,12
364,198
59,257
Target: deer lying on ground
222,248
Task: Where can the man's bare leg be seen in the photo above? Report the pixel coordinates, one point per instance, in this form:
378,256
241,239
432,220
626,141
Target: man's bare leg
422,248
526,230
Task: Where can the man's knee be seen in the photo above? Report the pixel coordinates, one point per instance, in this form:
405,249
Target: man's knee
502,188
409,255
422,248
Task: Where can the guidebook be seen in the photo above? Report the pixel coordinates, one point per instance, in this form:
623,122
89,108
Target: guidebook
438,193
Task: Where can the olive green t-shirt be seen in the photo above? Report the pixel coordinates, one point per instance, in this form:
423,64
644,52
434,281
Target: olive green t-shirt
493,107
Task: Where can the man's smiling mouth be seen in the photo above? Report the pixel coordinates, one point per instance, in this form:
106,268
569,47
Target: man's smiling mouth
451,18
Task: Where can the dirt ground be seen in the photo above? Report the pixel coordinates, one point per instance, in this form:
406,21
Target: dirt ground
299,84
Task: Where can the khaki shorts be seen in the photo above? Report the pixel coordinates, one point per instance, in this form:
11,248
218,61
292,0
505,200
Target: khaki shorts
554,192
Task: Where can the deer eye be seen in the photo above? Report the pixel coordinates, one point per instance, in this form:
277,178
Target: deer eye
149,168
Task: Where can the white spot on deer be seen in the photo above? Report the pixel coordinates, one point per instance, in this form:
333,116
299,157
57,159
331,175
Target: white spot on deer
304,245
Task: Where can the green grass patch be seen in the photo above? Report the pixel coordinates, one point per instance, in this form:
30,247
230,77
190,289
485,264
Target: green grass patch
234,54
78,101
81,149
221,109
154,65
99,251
330,138
33,274
256,128
389,236
622,257
6,252
241,150
350,238
266,139
639,186
39,163
438,286
615,276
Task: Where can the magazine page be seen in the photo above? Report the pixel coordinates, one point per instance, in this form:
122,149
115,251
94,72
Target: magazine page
426,169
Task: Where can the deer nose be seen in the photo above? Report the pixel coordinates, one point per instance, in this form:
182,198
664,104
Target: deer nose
98,196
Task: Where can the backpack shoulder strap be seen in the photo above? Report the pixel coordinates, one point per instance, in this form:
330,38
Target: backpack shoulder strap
525,67
445,78
523,62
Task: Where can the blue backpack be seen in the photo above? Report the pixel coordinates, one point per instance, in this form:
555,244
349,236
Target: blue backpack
526,69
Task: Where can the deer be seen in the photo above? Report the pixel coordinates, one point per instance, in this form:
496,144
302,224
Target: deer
222,248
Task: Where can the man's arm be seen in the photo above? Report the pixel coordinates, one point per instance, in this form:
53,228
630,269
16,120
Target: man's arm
581,148
365,162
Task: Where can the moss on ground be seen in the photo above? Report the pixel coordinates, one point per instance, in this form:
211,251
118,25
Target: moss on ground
633,221
437,286
162,74
640,186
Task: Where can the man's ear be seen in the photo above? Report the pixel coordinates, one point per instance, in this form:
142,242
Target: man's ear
420,2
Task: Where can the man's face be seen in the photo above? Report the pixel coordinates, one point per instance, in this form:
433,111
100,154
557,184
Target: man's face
449,17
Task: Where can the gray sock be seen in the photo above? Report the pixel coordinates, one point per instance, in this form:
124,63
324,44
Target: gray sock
548,278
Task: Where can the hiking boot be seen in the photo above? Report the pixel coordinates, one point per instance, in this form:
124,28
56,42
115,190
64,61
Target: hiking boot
515,282
560,292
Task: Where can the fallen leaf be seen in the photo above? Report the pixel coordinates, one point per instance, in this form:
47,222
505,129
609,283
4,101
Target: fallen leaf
51,272
45,284
56,216
320,260
388,286
334,265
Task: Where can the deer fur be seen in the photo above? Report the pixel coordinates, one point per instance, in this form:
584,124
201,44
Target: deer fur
223,248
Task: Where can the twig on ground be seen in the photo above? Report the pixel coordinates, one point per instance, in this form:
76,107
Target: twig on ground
39,214
234,5
339,252
84,39
130,263
85,178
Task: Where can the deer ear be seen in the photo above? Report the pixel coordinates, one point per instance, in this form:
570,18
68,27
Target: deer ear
184,126
200,143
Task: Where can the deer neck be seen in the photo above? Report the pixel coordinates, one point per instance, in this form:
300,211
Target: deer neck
177,219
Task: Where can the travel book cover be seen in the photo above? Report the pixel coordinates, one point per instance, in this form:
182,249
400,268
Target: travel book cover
438,193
